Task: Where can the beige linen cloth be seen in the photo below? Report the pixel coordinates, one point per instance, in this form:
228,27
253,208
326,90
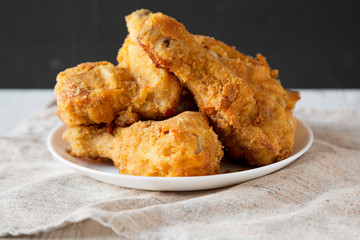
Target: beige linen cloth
315,197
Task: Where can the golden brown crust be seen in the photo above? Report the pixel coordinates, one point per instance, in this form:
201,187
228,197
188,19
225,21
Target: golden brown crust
271,97
96,92
292,98
241,95
249,116
251,69
160,90
184,145
219,49
93,93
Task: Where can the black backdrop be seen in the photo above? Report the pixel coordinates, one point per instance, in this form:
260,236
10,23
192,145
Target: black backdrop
314,44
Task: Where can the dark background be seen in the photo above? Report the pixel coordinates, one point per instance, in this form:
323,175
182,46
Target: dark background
314,44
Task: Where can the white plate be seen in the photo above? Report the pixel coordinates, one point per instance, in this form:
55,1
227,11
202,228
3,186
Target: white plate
107,172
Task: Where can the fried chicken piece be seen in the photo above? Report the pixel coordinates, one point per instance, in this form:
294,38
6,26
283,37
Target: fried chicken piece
93,93
254,70
160,90
184,145
270,96
251,124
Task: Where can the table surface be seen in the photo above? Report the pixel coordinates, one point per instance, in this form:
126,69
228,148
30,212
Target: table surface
15,105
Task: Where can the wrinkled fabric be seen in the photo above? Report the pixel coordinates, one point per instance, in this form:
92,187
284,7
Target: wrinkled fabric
315,197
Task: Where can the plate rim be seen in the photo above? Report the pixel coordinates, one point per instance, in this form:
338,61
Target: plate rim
277,165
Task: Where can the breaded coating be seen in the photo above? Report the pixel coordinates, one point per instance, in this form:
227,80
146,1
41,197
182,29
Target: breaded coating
96,92
93,93
292,98
255,71
249,112
270,96
184,145
159,90
219,49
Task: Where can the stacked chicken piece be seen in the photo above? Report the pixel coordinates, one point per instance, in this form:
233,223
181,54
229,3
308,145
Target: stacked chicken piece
137,113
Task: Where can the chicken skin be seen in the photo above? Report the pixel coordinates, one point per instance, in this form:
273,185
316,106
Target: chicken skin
246,105
184,145
93,93
268,92
99,92
159,90
253,70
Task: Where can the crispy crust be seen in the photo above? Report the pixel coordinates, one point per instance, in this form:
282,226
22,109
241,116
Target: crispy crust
271,97
248,67
184,145
93,93
249,116
160,90
292,98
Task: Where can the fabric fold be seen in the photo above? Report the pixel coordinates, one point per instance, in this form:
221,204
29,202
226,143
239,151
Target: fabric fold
317,196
